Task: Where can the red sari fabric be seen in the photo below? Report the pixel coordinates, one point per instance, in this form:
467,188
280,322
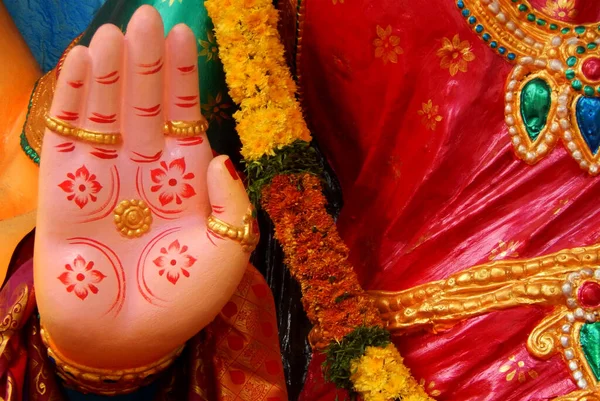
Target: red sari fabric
431,185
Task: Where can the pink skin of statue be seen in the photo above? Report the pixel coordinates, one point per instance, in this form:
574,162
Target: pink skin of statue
108,300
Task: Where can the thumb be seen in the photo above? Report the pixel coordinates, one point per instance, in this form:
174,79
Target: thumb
228,198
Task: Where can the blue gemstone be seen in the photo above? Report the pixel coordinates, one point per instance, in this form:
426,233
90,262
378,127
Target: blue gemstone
472,20
501,50
511,56
588,121
465,12
479,28
493,44
486,37
460,4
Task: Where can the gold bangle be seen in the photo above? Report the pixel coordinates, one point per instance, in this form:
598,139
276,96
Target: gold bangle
185,128
62,128
247,235
104,381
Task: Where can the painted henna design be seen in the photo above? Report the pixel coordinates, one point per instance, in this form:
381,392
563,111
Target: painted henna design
174,261
102,118
105,153
68,115
114,262
171,182
147,159
148,112
190,141
111,201
76,84
80,277
81,187
153,67
187,70
65,147
189,101
109,78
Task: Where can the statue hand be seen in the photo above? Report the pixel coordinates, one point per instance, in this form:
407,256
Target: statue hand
126,269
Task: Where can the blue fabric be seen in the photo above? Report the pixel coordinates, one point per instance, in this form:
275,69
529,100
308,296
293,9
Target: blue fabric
48,26
588,120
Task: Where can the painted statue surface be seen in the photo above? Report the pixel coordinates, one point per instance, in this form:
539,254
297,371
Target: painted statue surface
413,105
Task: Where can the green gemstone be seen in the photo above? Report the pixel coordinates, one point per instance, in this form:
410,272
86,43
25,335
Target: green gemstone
580,50
580,29
571,61
540,22
592,46
553,27
576,84
570,74
531,17
535,105
589,338
565,30
588,90
522,7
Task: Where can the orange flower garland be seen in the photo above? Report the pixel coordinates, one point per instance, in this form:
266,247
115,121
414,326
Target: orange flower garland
316,256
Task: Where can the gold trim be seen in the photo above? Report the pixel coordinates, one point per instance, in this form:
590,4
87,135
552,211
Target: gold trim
105,381
245,235
185,128
62,128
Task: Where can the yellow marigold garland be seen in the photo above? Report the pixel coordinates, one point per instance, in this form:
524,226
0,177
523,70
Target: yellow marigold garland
270,123
257,76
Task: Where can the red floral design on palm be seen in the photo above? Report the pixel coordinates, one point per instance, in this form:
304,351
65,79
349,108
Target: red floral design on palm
81,278
82,187
170,180
174,261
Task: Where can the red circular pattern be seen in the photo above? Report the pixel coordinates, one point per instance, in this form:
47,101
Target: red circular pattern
591,68
589,294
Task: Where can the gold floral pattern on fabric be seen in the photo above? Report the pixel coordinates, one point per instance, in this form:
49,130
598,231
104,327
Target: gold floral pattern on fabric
515,369
429,115
569,281
504,250
171,2
209,47
13,318
560,9
247,363
455,55
216,109
387,46
430,388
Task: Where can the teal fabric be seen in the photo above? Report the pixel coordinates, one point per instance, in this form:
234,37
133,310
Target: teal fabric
48,26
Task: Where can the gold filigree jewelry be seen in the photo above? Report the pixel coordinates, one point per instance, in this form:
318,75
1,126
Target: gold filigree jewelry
247,235
553,91
104,381
133,218
62,128
185,128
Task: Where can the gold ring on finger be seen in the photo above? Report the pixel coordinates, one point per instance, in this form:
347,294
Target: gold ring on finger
184,129
63,128
247,235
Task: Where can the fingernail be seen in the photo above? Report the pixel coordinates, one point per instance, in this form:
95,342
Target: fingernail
231,169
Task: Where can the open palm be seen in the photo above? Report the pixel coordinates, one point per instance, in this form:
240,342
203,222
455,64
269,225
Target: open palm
125,267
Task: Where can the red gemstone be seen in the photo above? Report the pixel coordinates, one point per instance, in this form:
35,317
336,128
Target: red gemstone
589,294
591,68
